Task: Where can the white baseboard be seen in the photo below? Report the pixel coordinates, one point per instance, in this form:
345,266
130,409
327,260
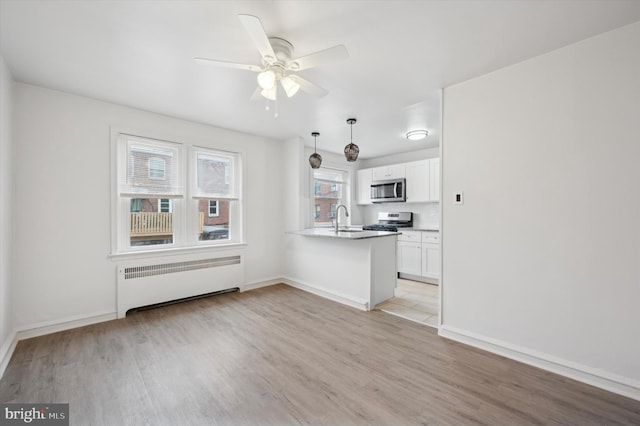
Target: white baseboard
591,376
259,284
363,305
48,327
6,351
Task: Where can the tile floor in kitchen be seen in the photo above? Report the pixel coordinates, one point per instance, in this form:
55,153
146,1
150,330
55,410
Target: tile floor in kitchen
415,301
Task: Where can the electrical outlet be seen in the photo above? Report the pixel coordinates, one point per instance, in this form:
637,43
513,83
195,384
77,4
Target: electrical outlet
458,198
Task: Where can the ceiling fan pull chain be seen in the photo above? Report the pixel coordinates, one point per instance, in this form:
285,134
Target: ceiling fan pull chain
276,114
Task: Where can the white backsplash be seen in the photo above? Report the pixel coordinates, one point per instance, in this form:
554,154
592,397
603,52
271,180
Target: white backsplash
425,215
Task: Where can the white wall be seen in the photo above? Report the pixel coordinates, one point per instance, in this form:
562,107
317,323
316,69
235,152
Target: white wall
403,157
544,254
293,189
62,200
6,211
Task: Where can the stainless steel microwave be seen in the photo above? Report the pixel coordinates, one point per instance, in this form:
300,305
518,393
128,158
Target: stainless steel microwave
386,191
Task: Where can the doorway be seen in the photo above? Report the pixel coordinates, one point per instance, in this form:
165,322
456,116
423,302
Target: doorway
414,300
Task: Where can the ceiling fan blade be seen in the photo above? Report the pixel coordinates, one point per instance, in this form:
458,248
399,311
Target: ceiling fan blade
309,87
256,31
256,95
223,64
332,54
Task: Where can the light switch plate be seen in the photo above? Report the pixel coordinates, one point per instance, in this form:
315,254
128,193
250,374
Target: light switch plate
458,198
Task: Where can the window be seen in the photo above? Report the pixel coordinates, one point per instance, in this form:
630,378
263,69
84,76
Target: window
215,224
156,168
164,205
330,189
332,211
213,208
173,195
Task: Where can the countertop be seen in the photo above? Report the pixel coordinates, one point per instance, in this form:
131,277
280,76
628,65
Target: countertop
421,229
344,234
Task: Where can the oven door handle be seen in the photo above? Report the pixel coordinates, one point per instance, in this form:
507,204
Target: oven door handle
395,189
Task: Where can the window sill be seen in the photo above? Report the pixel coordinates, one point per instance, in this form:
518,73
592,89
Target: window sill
146,254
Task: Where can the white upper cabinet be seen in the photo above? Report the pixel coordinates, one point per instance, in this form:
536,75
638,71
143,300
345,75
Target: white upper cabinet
364,186
423,180
418,181
394,171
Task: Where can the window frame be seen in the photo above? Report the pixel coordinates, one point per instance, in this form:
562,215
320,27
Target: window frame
169,205
341,186
184,206
217,213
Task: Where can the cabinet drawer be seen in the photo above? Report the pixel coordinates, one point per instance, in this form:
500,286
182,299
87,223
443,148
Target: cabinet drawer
410,236
430,237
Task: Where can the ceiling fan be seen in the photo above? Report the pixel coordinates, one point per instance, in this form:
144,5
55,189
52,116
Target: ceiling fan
277,64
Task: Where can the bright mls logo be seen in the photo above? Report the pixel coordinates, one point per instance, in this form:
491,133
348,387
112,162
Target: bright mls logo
35,414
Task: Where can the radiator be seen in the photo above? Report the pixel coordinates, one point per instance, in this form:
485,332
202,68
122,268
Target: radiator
148,284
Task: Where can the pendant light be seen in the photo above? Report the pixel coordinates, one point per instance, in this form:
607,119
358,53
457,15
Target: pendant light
315,159
351,151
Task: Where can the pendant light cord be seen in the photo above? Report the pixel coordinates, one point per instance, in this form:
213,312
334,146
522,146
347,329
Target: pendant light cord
351,124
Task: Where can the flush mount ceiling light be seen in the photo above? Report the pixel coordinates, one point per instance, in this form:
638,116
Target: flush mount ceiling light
416,135
351,151
315,159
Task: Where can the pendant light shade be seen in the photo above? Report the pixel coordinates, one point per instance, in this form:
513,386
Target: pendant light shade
315,159
351,151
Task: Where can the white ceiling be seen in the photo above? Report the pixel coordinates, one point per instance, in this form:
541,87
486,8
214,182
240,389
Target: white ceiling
140,54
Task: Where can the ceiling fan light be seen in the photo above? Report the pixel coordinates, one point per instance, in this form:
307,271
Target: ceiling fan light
267,79
290,86
416,135
269,93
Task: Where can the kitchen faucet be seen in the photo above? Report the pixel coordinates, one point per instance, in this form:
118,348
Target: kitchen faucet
346,214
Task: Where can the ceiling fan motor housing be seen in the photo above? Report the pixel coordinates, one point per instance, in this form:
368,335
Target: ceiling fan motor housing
283,50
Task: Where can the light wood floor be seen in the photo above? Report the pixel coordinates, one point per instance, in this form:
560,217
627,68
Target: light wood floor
278,355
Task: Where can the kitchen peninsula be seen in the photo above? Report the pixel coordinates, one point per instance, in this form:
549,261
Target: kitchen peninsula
351,266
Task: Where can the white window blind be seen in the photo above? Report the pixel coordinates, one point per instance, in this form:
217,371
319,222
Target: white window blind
151,168
215,175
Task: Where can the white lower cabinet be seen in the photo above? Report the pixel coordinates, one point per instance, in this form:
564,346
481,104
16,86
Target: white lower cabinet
430,260
419,253
409,257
